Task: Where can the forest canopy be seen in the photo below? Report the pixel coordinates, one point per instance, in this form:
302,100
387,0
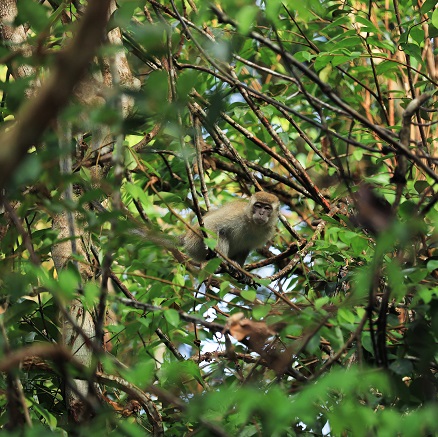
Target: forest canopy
122,123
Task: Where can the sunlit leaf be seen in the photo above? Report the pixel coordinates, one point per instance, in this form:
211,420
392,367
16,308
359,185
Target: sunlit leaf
172,316
248,294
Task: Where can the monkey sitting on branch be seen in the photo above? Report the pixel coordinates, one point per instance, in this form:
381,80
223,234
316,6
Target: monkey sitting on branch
240,226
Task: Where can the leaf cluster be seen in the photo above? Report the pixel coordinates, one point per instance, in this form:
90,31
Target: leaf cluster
337,332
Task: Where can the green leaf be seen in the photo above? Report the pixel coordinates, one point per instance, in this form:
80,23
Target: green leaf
319,303
325,73
178,279
396,279
420,186
415,275
336,24
49,418
432,265
435,18
16,312
212,265
313,344
346,236
304,56
386,67
366,342
33,14
361,312
273,9
417,34
383,44
211,242
171,315
341,59
322,61
346,315
91,294
366,25
137,193
427,6
29,170
427,294
140,374
174,374
359,244
304,9
124,12
249,295
352,41
68,283
245,18
402,367
263,281
412,50
224,288
358,154
261,311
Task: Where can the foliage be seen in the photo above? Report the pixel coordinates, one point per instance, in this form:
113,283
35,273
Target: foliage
306,100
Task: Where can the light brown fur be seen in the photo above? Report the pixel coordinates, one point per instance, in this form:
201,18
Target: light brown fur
241,226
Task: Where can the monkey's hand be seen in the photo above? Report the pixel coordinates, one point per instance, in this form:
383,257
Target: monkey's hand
240,276
210,254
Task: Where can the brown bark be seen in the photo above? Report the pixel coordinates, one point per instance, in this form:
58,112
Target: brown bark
39,112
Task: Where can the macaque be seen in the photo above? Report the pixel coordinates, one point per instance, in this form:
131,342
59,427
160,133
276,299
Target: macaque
241,226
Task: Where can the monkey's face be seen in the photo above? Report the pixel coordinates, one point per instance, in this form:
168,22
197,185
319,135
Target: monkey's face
261,213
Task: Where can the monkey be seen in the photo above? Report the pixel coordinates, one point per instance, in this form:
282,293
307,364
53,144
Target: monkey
240,226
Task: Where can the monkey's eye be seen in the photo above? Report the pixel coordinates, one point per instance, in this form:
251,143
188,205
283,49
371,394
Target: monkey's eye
262,205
